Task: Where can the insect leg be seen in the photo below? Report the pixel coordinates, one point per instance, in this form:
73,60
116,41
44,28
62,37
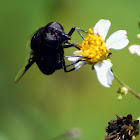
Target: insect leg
71,45
65,67
78,30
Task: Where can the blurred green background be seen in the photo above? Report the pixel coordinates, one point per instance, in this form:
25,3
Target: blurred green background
41,107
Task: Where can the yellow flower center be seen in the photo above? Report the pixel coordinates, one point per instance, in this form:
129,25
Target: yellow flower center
93,48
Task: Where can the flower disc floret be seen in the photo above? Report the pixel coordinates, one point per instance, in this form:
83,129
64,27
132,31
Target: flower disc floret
93,48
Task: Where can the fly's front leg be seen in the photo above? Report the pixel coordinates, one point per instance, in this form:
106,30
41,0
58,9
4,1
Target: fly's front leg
78,30
70,44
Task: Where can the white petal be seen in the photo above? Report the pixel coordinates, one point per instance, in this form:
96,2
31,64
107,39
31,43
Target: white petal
72,58
138,35
76,53
104,73
79,64
117,40
102,27
135,49
75,58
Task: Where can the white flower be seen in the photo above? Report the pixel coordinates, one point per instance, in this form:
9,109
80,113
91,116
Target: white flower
138,35
135,49
95,50
104,73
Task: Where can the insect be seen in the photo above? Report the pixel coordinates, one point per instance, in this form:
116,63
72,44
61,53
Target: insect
47,49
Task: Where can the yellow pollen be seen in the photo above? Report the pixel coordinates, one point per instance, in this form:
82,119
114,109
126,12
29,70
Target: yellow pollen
93,48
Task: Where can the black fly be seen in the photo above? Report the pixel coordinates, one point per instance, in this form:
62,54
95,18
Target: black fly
47,49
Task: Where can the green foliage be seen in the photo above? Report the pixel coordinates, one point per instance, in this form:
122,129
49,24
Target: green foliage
42,107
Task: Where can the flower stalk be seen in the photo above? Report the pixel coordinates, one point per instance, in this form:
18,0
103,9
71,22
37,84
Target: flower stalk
124,85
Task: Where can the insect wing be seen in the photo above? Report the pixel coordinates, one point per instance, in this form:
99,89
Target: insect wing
22,71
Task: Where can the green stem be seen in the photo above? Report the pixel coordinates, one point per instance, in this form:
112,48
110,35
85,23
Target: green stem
124,85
